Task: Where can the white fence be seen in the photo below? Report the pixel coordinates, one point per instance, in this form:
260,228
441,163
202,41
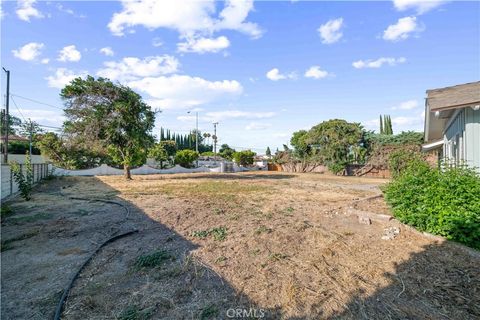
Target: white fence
105,170
10,186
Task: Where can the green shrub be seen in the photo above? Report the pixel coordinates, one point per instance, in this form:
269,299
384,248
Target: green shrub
24,180
336,167
185,158
400,159
152,260
244,157
443,202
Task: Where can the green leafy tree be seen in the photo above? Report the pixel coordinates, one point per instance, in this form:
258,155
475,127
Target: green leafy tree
226,152
244,158
14,123
299,144
186,158
335,138
68,155
158,153
110,116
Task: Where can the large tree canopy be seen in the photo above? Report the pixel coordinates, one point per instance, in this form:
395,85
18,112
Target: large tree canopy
111,117
333,141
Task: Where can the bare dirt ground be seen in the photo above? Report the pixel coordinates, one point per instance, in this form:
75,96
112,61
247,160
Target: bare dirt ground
271,245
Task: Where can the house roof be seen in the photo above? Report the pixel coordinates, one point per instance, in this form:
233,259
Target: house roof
12,137
441,103
454,97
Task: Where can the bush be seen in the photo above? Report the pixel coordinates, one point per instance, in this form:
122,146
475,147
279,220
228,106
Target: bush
443,202
244,158
400,159
24,180
185,158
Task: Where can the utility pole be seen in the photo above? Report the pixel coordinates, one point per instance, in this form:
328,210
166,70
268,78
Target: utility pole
215,140
31,134
7,118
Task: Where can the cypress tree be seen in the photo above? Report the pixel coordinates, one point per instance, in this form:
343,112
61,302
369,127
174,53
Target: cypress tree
381,125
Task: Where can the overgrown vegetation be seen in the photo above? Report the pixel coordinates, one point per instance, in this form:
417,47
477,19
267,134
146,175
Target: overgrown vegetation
186,158
244,158
153,260
135,313
218,233
444,202
23,179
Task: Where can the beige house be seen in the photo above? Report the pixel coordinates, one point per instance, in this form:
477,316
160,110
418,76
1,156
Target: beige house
452,123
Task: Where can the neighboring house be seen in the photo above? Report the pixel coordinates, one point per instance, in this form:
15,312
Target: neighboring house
452,123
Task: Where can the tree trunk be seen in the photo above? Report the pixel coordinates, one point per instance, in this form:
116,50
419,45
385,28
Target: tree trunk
126,172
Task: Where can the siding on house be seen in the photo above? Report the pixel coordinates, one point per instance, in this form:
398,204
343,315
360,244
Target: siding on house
462,137
472,137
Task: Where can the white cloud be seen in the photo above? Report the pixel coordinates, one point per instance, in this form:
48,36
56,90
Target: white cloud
232,114
62,77
360,64
45,61
29,52
407,105
182,91
421,6
402,29
107,51
44,117
25,10
330,31
132,68
316,73
157,42
188,17
69,53
257,126
275,75
202,45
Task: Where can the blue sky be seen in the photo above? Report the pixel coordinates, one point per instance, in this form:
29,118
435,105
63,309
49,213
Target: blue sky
261,69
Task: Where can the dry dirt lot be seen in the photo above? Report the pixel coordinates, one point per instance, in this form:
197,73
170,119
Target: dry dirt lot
219,246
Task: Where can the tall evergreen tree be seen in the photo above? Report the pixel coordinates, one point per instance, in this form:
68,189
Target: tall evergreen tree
381,125
268,152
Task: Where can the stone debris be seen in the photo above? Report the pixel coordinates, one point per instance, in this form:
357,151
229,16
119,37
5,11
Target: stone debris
390,233
364,220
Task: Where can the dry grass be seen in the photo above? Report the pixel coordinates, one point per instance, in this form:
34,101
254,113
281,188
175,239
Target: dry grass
277,242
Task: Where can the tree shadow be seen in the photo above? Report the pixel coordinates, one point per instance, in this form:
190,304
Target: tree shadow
116,283
440,282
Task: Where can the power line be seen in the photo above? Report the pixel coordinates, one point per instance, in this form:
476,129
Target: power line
15,104
36,101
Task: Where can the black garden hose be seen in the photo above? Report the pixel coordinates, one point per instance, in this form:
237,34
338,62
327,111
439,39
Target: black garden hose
61,303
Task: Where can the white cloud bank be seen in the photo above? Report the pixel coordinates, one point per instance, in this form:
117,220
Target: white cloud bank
421,6
316,72
182,91
361,64
26,10
69,53
231,114
62,77
203,45
275,75
132,68
188,17
257,126
107,51
330,31
402,29
29,52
